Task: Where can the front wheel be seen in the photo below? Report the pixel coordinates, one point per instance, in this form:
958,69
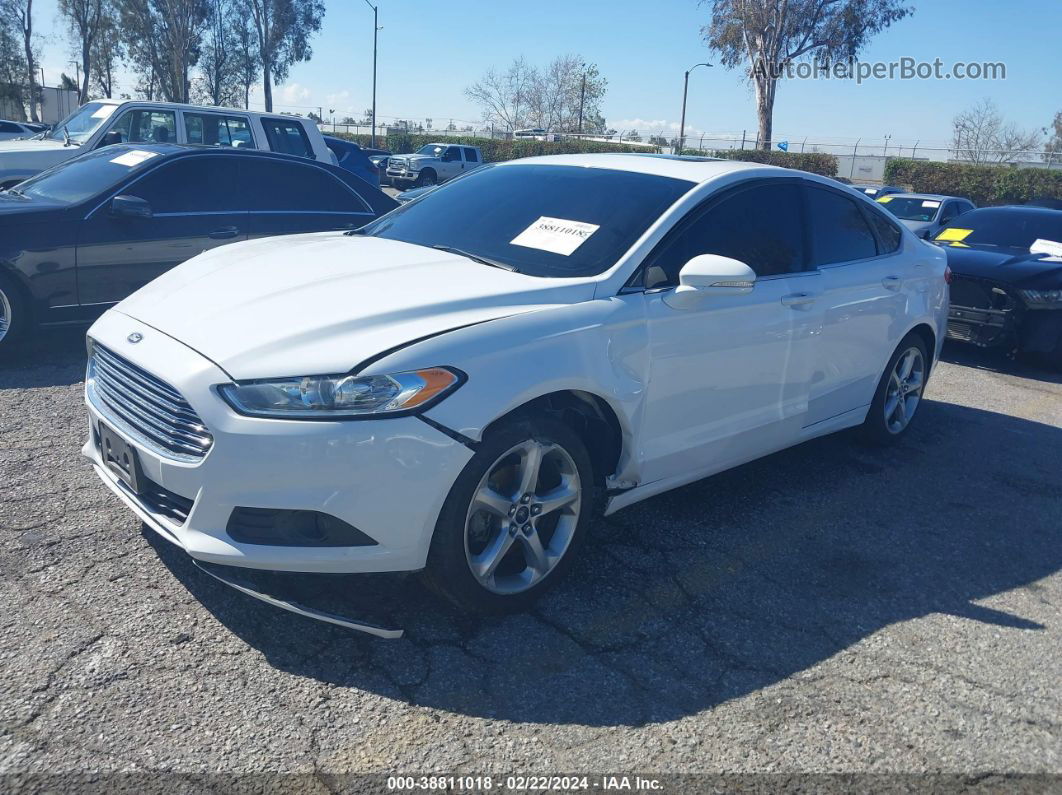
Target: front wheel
426,178
14,314
899,392
514,519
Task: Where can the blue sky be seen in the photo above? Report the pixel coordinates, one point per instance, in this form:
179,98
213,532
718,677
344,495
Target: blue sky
429,54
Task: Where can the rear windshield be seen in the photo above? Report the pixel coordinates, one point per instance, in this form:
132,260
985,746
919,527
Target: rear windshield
558,221
911,209
85,176
996,228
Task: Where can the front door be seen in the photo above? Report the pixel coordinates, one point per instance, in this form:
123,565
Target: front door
730,377
194,208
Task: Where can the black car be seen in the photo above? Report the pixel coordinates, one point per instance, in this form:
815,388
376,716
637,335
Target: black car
1002,294
354,159
81,236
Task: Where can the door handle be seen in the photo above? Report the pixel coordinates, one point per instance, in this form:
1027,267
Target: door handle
798,299
226,233
892,282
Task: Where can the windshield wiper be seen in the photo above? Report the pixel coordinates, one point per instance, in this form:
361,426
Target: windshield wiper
476,258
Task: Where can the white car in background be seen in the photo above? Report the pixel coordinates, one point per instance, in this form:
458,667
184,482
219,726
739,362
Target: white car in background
115,121
19,129
459,386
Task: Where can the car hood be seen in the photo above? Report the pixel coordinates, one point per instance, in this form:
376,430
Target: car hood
1007,265
30,145
11,206
19,158
323,303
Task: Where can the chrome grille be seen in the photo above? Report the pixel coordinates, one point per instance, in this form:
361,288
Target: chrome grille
148,409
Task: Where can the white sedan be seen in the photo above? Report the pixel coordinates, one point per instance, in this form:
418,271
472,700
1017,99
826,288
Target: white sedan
461,385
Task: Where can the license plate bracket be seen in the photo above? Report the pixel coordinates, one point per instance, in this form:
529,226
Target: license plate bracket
120,458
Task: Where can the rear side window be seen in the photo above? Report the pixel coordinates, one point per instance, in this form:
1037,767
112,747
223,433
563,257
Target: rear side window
839,232
471,156
288,137
888,233
141,125
761,226
212,129
8,127
274,186
199,184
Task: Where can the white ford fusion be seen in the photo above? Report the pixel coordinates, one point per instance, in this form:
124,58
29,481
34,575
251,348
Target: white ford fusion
459,386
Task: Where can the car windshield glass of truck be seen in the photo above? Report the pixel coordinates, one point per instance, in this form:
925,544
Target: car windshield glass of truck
82,123
433,151
85,176
540,220
992,228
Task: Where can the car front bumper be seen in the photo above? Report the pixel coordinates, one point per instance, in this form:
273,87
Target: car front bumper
388,478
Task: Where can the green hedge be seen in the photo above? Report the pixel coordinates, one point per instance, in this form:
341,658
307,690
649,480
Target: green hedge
815,162
985,185
495,150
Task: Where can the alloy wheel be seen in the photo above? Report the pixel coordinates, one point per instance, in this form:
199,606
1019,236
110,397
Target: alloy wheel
5,314
904,391
522,517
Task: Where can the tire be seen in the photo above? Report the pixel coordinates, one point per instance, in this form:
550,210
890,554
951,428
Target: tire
892,412
425,178
14,314
488,512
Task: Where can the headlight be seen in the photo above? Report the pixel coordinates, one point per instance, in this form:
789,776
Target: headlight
341,396
1043,298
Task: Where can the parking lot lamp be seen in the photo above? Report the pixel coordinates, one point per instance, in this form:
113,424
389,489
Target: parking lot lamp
685,89
375,32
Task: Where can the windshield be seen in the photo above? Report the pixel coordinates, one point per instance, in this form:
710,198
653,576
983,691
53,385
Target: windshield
997,228
559,221
909,209
85,176
84,121
430,149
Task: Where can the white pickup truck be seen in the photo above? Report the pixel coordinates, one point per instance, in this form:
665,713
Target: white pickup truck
112,121
433,164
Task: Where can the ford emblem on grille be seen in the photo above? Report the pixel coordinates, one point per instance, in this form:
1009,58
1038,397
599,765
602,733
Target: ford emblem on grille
135,337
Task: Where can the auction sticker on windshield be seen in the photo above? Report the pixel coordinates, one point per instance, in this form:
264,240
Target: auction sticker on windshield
134,158
555,234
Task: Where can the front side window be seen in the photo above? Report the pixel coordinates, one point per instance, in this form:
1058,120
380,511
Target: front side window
471,156
556,221
213,129
143,125
199,184
839,232
288,137
760,226
453,155
82,123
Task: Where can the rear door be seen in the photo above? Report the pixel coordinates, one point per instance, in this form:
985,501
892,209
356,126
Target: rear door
857,251
288,197
195,207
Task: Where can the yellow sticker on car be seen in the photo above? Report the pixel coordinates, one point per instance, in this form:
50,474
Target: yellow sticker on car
954,234
957,244
884,199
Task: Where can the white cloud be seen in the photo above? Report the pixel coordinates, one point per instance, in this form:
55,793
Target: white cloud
341,98
647,125
293,93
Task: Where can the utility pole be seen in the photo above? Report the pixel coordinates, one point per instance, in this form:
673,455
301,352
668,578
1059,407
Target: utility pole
375,32
685,90
582,96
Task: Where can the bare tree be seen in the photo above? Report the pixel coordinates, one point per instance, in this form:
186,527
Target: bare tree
12,68
765,36
220,67
108,50
244,55
284,29
981,135
1053,147
84,17
19,15
556,98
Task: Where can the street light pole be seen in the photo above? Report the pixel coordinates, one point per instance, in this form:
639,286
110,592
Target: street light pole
375,33
685,90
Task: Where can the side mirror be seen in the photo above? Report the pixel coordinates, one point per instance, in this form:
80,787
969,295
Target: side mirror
110,138
710,274
130,207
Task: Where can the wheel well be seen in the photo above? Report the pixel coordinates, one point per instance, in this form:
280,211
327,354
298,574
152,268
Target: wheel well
589,416
929,338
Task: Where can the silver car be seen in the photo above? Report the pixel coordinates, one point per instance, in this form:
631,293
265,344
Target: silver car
925,213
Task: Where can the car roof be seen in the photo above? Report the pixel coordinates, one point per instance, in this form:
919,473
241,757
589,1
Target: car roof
928,196
206,151
1018,209
692,169
189,106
